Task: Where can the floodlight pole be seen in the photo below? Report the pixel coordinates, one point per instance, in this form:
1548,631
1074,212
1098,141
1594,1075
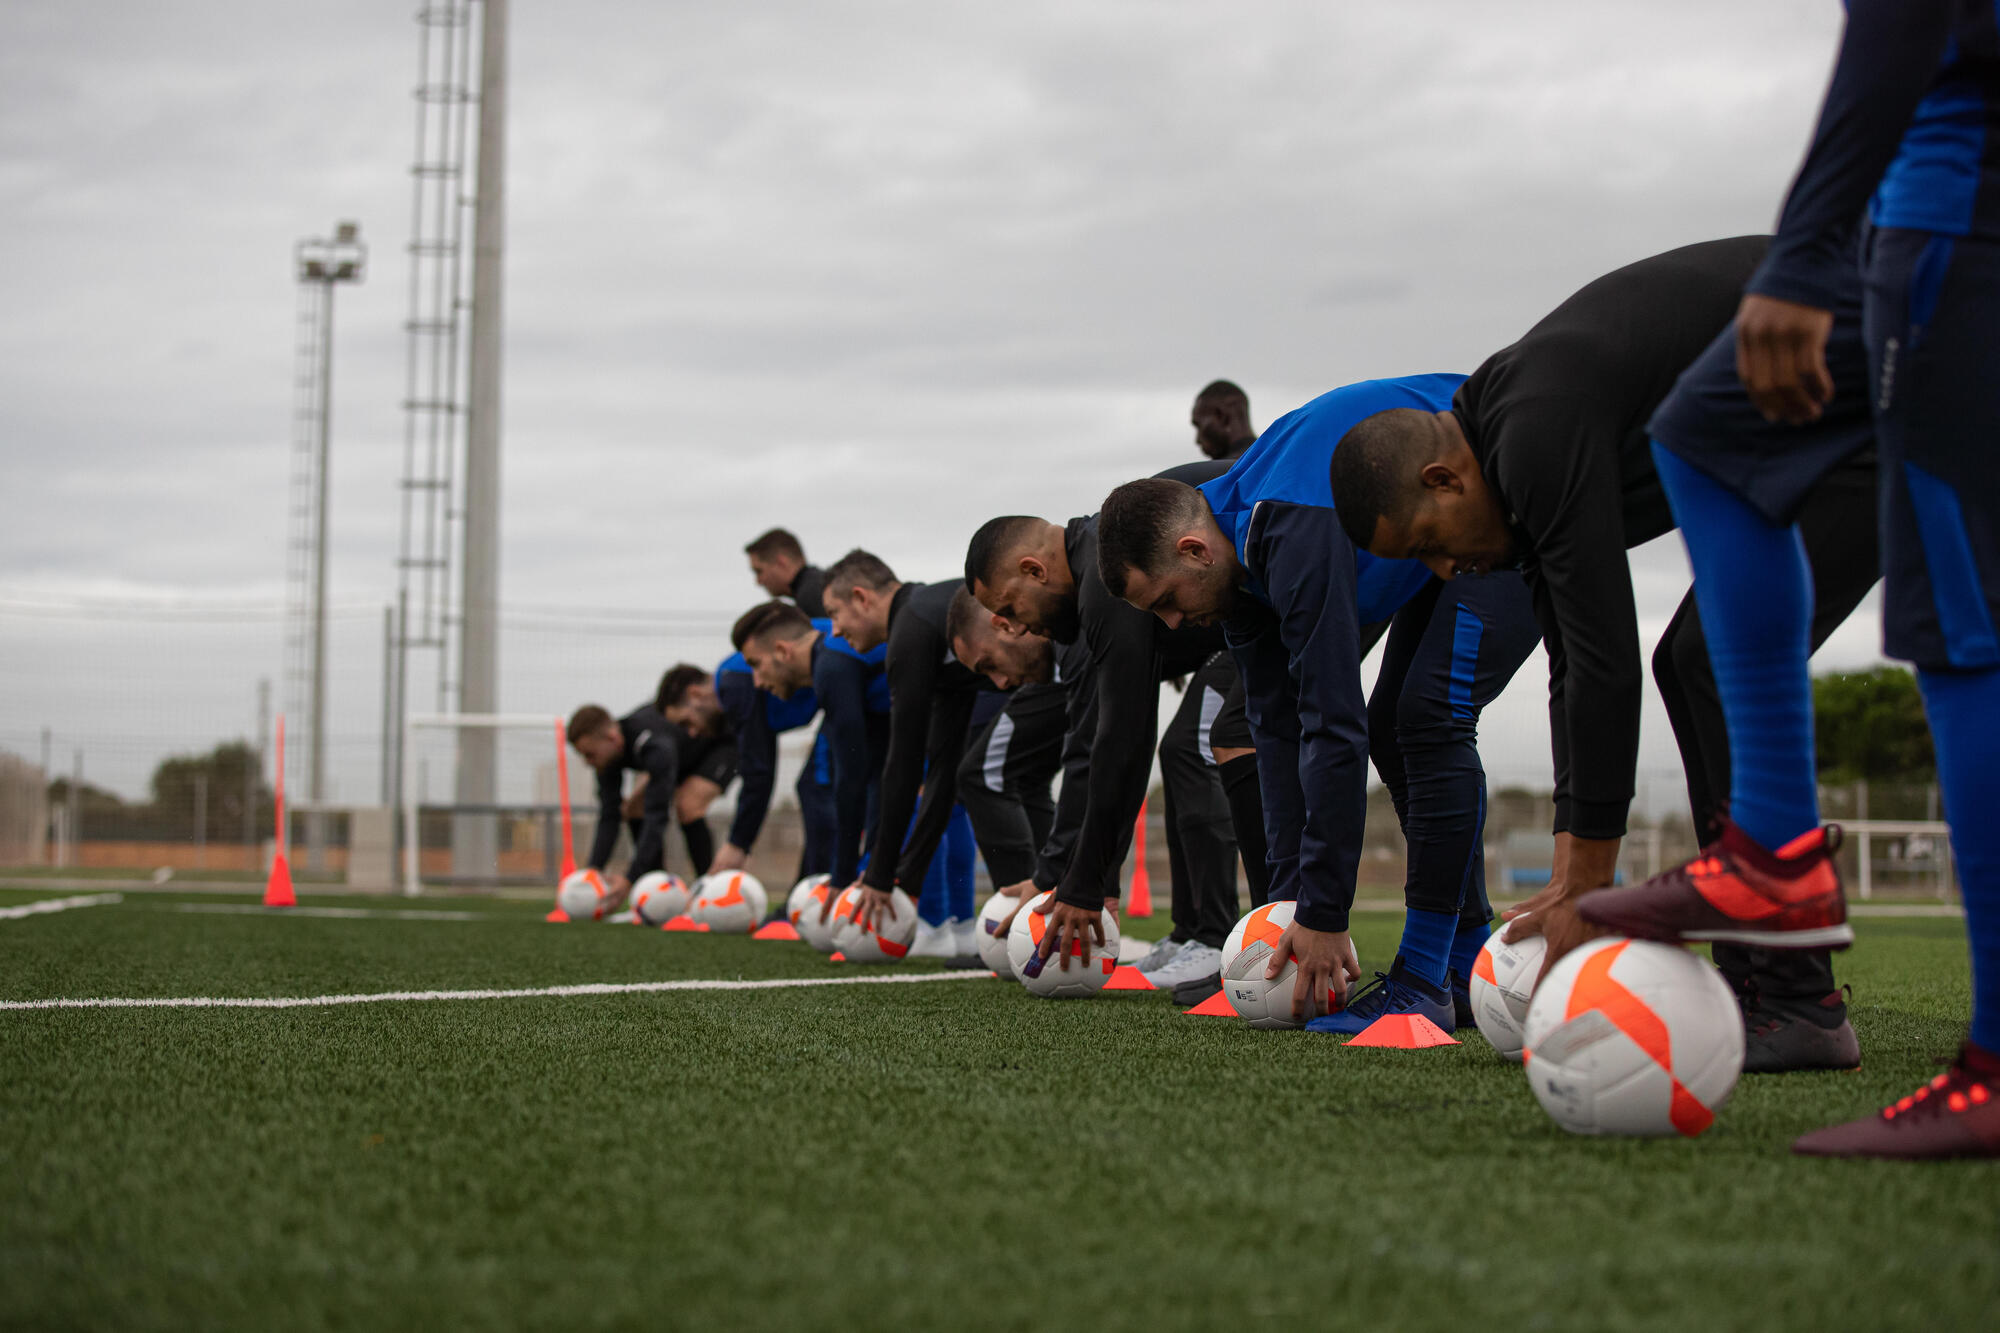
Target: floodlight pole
476,849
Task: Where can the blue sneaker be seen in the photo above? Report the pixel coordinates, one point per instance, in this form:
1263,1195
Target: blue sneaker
1392,992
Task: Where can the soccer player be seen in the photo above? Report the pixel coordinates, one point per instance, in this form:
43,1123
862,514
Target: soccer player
686,699
1044,579
1260,550
787,655
729,703
1221,421
931,698
778,563
1010,764
643,742
1542,461
1907,120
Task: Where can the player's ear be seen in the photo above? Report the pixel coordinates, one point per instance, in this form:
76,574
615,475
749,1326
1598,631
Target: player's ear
1441,477
1195,547
1032,567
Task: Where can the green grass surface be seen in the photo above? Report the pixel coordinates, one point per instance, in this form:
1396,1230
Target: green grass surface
950,1155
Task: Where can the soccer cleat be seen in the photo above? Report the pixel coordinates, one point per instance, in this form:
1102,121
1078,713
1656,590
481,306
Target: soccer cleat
1782,1034
1160,954
964,937
1956,1114
932,941
1191,993
1396,991
1735,891
1191,961
1461,999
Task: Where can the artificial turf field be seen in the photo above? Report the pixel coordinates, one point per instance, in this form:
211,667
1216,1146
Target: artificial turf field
930,1155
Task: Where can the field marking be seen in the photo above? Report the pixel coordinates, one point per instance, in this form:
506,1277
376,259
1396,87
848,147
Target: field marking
60,905
518,993
341,913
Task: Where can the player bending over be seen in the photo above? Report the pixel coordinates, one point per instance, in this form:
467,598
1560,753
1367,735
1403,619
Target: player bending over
641,742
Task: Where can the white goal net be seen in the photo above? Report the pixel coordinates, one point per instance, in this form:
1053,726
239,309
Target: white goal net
516,838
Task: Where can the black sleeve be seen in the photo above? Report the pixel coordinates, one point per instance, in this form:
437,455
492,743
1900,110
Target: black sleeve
1583,599
914,658
842,686
610,810
756,755
1303,556
1072,802
951,718
1890,54
1121,752
655,754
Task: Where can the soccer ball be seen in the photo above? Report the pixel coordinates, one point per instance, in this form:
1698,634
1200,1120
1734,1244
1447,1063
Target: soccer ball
731,903
658,898
584,896
887,942
1055,981
803,909
1631,1037
992,942
1265,1003
1503,981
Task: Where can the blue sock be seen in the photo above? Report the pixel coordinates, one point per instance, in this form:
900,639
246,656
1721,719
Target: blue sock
1427,940
1466,944
1755,592
960,851
1964,710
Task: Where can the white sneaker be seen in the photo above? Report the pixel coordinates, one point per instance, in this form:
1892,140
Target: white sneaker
1194,961
964,937
1159,955
932,941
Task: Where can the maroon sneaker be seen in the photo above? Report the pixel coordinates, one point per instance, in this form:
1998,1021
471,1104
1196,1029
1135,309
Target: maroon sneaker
1956,1114
1738,892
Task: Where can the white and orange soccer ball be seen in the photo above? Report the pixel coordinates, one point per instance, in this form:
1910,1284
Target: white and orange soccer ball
887,942
1260,1002
1502,984
729,903
993,940
659,897
803,908
584,896
1631,1037
1055,981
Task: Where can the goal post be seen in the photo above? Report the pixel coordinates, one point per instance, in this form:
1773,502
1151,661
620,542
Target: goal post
531,808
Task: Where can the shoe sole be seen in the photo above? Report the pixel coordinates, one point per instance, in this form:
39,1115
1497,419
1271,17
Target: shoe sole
1820,937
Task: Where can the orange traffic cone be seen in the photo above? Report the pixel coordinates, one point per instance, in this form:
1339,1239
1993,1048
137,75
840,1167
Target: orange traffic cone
556,913
1406,1032
1128,977
1215,1006
780,929
1139,901
278,888
682,923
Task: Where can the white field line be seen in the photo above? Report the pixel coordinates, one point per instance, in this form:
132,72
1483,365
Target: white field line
518,993
342,913
60,905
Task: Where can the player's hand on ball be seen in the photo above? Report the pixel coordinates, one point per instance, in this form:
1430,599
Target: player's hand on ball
1781,358
870,906
730,857
1070,925
1551,914
1327,961
616,887
1024,890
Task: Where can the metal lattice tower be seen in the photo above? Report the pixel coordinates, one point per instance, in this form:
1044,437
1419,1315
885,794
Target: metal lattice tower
434,367
320,264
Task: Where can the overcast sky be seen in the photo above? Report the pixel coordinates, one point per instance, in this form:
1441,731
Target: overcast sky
873,271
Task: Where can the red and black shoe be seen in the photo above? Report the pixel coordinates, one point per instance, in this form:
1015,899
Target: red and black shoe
1956,1114
1737,892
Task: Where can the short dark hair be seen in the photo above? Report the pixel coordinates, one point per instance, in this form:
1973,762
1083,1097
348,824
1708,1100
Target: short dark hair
965,617
676,683
778,541
588,720
996,539
769,620
1374,473
857,569
1137,525
1215,390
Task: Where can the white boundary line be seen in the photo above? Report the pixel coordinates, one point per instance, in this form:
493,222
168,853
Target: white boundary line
340,913
60,905
521,993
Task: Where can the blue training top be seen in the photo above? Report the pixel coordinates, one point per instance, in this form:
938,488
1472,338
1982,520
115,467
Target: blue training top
1296,635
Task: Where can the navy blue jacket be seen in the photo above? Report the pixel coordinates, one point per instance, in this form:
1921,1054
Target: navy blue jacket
651,747
1296,636
1911,117
854,697
756,719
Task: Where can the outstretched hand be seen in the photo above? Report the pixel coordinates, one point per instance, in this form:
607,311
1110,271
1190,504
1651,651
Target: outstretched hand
1781,358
